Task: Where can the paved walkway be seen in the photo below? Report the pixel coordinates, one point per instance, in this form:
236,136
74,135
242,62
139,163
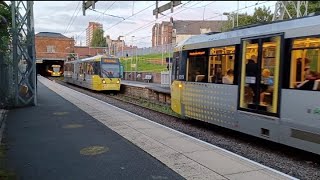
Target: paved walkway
57,140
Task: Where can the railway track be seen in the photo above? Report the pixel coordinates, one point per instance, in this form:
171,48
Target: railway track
295,162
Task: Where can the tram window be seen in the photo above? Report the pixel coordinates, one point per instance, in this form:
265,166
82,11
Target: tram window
197,67
221,65
305,64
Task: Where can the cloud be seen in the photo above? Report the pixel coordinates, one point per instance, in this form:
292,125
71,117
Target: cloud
54,16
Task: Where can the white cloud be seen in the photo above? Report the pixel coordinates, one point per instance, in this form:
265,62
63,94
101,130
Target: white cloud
54,16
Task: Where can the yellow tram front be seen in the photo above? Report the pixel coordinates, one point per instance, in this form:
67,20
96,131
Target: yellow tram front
55,71
109,78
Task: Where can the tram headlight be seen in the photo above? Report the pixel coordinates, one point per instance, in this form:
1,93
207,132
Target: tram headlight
103,81
118,82
180,85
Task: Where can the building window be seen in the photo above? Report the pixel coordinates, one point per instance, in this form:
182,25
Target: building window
51,49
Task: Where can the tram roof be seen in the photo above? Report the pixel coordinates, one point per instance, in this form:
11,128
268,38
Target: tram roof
94,57
304,26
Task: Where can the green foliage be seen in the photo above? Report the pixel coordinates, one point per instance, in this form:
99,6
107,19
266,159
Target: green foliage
5,12
260,15
313,7
97,39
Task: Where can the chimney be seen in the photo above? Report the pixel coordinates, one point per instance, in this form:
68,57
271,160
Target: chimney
171,19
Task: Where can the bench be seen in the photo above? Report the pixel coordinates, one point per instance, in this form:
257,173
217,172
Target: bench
147,78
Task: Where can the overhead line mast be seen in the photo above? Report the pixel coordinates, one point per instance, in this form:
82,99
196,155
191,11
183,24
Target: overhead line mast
86,5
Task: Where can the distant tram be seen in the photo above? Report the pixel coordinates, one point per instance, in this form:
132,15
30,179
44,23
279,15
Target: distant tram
56,70
99,73
261,80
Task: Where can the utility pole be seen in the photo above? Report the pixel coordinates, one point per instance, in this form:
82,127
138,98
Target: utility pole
238,13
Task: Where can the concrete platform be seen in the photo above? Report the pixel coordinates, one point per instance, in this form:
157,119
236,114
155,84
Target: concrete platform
187,156
57,140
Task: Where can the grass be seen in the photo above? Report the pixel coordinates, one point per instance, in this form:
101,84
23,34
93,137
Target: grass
146,63
4,173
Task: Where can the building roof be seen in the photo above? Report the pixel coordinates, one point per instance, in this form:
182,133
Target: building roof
50,34
193,27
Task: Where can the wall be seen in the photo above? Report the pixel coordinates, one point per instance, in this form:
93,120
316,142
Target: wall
180,37
83,51
63,46
156,77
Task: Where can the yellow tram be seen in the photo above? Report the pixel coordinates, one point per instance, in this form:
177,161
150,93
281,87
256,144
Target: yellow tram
55,70
99,73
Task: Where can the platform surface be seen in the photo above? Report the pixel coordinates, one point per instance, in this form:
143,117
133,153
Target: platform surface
186,156
57,140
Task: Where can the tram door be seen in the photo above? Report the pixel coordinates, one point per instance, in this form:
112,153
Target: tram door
259,85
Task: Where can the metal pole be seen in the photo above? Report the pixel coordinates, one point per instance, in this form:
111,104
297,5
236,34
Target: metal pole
232,21
238,13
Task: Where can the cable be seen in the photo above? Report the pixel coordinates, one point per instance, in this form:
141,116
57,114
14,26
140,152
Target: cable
222,14
106,14
151,22
130,16
97,18
71,18
215,16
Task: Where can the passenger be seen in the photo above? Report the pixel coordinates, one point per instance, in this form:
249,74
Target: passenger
228,78
309,82
217,78
252,71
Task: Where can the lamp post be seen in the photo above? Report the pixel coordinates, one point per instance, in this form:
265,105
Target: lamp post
122,43
132,55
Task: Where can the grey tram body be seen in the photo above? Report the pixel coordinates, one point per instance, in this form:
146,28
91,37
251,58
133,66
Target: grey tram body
298,124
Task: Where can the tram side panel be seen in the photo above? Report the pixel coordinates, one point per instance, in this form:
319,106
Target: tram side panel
300,119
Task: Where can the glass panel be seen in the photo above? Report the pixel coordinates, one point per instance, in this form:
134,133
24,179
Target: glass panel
305,69
259,85
270,73
110,70
221,65
297,68
306,42
197,69
249,76
56,69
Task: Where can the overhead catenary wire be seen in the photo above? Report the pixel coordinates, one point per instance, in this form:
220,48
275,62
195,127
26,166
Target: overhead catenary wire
68,26
256,4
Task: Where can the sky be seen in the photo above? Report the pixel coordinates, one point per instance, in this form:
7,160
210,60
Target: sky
66,17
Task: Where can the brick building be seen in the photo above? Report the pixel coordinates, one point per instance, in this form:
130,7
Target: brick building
85,51
89,34
52,46
178,30
116,46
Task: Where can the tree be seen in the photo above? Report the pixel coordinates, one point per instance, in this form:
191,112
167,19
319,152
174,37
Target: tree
313,7
5,23
260,15
97,39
